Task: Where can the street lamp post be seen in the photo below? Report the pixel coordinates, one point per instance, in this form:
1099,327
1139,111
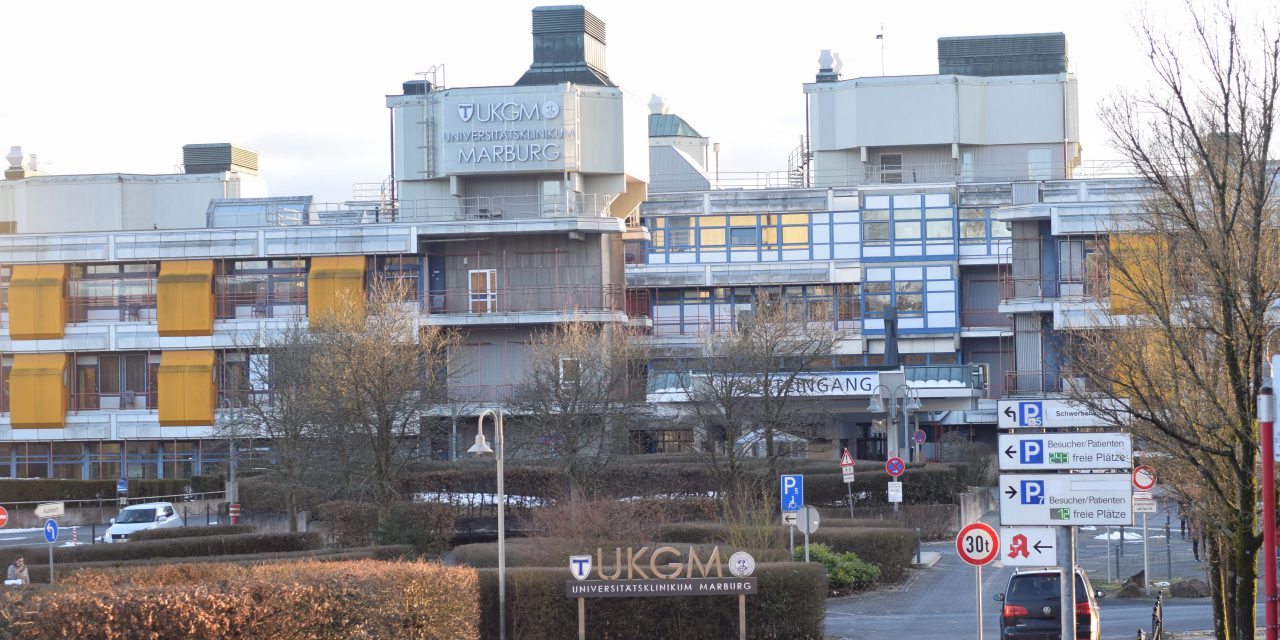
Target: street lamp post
481,447
910,402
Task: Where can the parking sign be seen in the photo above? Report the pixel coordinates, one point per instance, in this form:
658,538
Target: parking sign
792,492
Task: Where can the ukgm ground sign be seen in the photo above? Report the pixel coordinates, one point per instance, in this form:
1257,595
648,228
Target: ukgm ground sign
666,571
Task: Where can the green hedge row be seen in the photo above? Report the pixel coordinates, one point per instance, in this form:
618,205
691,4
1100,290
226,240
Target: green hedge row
192,532
246,543
45,489
789,606
932,484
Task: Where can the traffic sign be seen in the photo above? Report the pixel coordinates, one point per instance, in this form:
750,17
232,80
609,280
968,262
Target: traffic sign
1144,505
122,485
4,517
919,436
1016,414
50,510
895,466
1066,499
1065,451
847,474
895,491
1028,546
1144,477
978,543
789,518
50,531
792,492
846,460
808,519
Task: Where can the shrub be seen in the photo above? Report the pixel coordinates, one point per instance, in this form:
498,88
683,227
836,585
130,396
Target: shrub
361,599
977,459
172,548
790,604
931,484
191,532
351,524
844,570
428,526
44,489
890,549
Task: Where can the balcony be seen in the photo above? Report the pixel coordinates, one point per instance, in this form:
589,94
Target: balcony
451,209
985,319
1017,383
119,401
122,308
549,303
1036,288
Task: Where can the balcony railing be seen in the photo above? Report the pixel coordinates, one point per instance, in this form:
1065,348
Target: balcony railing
910,173
558,298
1036,382
131,308
970,376
124,400
1038,288
985,319
451,209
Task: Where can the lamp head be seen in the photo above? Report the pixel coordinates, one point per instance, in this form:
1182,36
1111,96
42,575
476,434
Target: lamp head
912,403
876,405
480,447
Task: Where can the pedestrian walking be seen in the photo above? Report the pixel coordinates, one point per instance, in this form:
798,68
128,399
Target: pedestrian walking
18,574
1182,520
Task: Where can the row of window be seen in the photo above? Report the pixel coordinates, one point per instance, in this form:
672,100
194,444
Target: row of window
96,460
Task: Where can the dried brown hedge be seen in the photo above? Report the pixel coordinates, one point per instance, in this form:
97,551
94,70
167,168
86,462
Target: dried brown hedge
192,532
304,600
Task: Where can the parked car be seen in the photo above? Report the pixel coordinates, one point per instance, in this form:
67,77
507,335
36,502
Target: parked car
137,517
1032,606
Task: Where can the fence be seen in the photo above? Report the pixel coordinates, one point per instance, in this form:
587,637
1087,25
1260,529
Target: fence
1157,621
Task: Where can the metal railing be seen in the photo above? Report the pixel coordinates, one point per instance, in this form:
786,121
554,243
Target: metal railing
1157,621
450,209
123,308
1061,381
985,319
524,299
118,401
1035,287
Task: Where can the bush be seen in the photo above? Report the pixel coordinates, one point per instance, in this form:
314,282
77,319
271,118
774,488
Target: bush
351,524
43,489
844,570
361,599
931,484
191,532
890,549
790,605
428,526
978,459
172,548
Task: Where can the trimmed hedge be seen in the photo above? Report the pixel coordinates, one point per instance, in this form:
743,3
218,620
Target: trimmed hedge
172,548
890,549
44,489
932,484
428,526
790,605
351,524
192,532
314,600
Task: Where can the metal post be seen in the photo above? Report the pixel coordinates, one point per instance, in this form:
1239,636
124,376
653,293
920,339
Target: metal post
582,619
978,573
1168,552
806,543
1121,548
791,548
453,438
917,545
502,534
1146,564
742,616
1118,576
1067,587
1266,423
51,578
848,487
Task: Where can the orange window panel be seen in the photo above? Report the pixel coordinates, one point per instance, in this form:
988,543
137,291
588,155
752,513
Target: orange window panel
39,387
187,389
184,298
37,301
335,283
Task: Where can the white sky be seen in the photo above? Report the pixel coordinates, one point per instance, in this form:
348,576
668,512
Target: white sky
96,87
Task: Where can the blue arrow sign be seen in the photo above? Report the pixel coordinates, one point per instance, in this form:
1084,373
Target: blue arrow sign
50,531
792,492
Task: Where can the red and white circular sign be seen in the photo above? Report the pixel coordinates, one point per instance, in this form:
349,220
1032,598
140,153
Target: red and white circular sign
4,517
978,544
1144,477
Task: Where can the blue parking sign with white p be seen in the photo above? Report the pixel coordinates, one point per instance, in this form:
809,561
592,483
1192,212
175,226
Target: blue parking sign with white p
1032,492
792,492
50,531
1031,414
1031,451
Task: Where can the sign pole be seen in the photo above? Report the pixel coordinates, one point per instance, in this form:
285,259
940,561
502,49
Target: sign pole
742,617
51,578
1146,566
977,544
792,547
978,573
1067,588
582,618
848,488
1266,422
806,544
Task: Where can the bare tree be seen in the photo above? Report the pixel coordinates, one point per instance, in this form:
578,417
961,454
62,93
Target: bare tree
580,398
273,397
747,383
1193,277
379,373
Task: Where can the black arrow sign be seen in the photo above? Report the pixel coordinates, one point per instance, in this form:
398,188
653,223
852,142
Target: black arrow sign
1040,549
1009,451
1008,411
1011,492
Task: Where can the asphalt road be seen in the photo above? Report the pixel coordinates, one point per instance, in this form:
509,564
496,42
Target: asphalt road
940,601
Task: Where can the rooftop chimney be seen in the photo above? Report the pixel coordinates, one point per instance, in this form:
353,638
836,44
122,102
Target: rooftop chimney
829,66
568,46
15,171
219,157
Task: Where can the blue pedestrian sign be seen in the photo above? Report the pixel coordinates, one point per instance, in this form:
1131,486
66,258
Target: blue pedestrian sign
792,492
122,485
50,531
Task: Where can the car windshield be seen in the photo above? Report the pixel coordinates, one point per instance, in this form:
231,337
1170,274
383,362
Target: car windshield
135,516
1041,588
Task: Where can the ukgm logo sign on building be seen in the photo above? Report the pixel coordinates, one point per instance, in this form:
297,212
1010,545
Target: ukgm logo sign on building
506,129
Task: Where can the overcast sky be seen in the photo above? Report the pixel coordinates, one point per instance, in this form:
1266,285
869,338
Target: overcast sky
96,87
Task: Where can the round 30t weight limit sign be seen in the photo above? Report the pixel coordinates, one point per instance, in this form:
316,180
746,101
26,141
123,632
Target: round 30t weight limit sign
978,544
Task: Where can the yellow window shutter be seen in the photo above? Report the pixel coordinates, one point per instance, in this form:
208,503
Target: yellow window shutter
39,388
187,388
334,282
37,301
184,298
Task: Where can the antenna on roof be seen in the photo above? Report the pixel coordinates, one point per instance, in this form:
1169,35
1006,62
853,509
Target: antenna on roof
880,37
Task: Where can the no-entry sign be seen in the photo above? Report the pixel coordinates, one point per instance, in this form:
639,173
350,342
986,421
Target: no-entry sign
978,544
4,517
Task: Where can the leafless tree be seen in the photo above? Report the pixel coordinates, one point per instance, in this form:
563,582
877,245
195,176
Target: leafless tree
580,396
1192,278
379,372
748,382
273,397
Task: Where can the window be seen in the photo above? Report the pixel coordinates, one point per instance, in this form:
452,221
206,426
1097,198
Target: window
850,303
1040,164
966,166
891,168
403,272
679,235
875,227
482,295
743,237
109,292
116,381
973,226
939,230
909,297
262,288
570,372
906,230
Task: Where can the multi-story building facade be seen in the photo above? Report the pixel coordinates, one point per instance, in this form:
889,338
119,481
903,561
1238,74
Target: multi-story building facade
132,303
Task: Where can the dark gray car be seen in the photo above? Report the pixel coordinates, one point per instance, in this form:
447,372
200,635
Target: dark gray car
1032,606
